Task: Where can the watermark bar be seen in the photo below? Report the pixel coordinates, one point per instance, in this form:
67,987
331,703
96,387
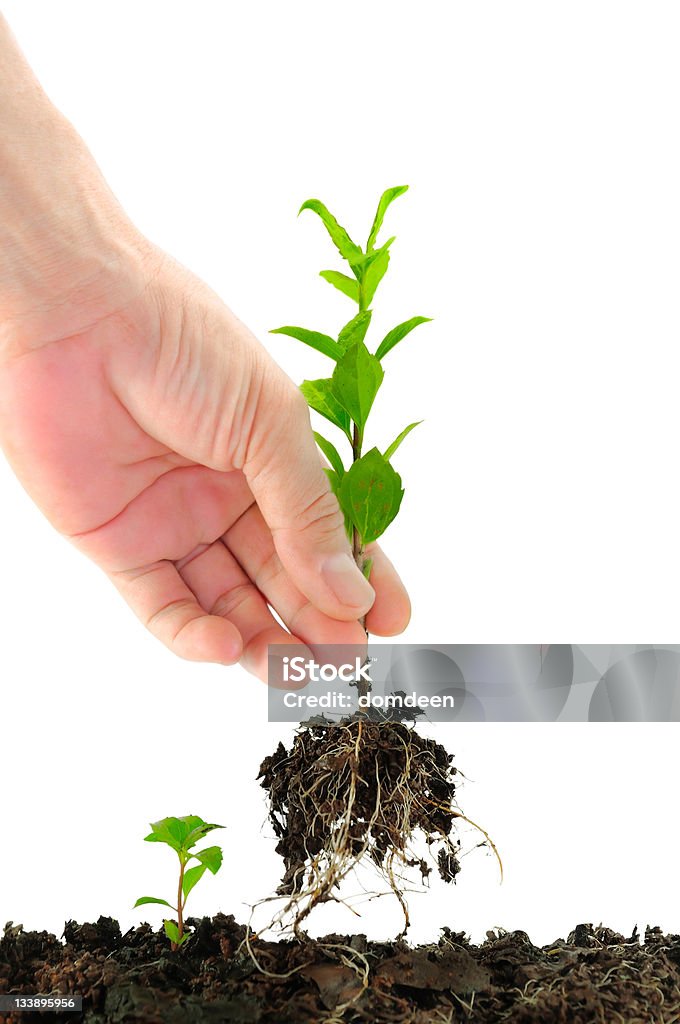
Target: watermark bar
476,682
23,1003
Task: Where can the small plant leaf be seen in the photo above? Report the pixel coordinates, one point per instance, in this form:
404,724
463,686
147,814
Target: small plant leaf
400,437
198,832
172,931
331,453
347,285
370,495
335,481
169,831
211,858
394,336
192,877
152,899
356,379
355,330
388,196
374,272
348,249
320,397
368,565
185,938
321,342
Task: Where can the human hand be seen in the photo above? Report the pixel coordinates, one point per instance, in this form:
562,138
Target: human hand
151,427
169,447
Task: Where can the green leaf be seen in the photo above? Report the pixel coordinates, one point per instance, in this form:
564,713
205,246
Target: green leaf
170,831
320,397
370,495
199,831
191,878
335,481
347,285
368,565
211,858
400,437
388,196
333,478
321,342
331,453
348,249
355,330
185,938
374,272
172,931
179,833
152,899
356,379
394,336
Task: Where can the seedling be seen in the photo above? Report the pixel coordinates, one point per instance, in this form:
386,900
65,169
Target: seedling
369,490
365,787
182,834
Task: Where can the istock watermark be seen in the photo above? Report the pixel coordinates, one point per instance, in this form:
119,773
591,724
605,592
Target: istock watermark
299,670
477,682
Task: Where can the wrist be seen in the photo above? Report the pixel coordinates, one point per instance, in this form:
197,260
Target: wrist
68,253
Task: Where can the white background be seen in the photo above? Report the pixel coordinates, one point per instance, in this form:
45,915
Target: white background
541,232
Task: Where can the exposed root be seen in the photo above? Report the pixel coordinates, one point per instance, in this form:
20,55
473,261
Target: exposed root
360,789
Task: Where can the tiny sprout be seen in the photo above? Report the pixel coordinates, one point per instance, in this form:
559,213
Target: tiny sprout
182,834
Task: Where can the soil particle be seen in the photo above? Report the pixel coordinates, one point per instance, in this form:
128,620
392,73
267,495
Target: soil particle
595,975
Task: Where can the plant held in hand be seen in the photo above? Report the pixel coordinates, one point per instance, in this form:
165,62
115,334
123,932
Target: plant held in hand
182,834
366,786
369,490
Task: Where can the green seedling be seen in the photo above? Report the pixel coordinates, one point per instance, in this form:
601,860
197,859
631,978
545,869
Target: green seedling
368,489
182,834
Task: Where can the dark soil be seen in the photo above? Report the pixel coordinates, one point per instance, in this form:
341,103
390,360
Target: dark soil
595,976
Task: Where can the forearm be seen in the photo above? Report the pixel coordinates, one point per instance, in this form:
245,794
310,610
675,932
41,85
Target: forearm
63,236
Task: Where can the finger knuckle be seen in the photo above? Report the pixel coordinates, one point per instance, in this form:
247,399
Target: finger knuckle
322,513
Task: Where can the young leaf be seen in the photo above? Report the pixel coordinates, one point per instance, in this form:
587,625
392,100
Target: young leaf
169,831
191,877
374,272
388,196
331,453
356,379
348,249
211,858
321,398
185,938
321,342
172,931
370,495
198,832
348,285
335,482
367,566
152,899
394,336
400,437
355,330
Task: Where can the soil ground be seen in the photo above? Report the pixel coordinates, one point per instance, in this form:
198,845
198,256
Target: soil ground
595,975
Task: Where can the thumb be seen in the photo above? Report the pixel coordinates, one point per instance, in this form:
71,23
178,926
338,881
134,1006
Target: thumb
284,472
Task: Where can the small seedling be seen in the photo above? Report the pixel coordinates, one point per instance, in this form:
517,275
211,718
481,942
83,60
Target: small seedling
182,834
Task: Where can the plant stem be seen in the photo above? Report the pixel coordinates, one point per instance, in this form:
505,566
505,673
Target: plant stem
180,908
363,687
357,545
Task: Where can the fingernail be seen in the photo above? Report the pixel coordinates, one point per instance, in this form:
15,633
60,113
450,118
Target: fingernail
348,584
